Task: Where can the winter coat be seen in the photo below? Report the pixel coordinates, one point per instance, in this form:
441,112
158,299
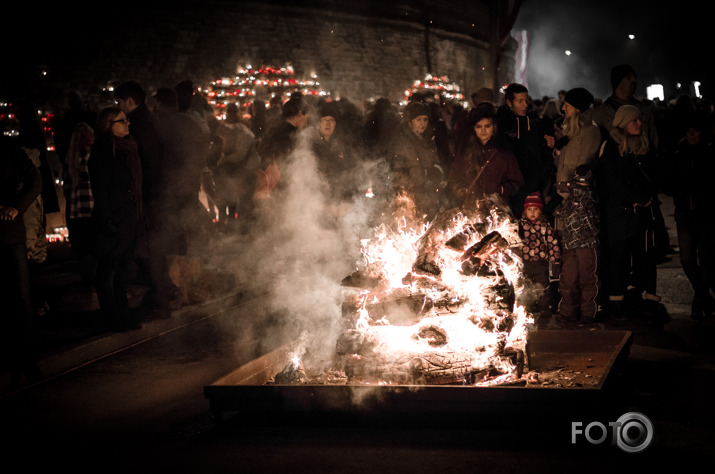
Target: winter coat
184,154
579,218
20,185
580,150
483,169
623,188
691,177
116,178
144,129
414,160
337,166
525,138
539,241
415,167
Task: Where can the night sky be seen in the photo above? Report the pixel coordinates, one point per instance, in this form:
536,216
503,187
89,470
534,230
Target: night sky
672,44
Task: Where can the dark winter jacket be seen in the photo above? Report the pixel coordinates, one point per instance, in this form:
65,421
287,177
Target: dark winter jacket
579,218
116,177
144,128
624,189
20,184
480,170
691,177
415,167
525,138
184,154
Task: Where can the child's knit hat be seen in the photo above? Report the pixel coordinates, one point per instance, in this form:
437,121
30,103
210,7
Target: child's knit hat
534,200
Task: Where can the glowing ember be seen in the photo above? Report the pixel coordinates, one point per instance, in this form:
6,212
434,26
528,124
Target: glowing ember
437,303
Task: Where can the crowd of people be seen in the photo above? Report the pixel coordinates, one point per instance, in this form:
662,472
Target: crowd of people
581,175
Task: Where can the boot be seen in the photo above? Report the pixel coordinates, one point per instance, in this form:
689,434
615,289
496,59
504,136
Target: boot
703,306
651,305
616,308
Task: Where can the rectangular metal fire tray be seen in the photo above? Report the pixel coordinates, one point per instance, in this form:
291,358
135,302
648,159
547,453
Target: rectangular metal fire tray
572,368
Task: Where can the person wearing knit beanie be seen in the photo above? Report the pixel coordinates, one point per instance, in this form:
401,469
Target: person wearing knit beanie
414,110
580,98
619,72
533,200
626,114
627,131
533,206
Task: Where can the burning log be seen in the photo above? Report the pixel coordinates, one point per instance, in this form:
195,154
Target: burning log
435,336
428,260
441,369
362,279
293,373
434,368
476,255
459,241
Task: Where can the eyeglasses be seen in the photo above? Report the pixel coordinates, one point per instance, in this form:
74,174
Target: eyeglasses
124,120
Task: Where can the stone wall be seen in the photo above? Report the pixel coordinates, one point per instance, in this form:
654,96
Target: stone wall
355,56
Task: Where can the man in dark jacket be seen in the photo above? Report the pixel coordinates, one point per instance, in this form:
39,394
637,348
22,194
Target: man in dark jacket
524,136
150,254
20,184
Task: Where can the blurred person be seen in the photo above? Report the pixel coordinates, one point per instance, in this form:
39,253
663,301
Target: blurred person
65,122
78,198
116,179
692,170
414,161
380,124
277,144
335,161
235,172
20,184
482,166
258,118
628,198
552,118
193,105
183,161
274,112
532,147
31,136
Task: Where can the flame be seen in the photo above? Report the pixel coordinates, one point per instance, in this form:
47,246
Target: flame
389,256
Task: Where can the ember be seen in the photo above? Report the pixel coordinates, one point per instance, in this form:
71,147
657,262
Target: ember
436,305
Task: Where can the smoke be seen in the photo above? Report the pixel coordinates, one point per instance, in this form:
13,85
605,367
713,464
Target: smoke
594,33
302,246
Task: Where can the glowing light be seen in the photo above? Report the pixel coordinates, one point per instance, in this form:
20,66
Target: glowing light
696,89
631,36
567,52
655,91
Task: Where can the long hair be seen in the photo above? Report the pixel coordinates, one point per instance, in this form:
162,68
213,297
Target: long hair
80,134
636,144
572,125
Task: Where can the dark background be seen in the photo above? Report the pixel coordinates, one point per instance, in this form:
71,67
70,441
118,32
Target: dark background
673,44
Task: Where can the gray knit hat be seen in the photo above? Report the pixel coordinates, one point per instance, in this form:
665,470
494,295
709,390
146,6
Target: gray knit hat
626,114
